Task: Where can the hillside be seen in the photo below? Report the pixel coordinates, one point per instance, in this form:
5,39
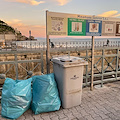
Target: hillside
5,28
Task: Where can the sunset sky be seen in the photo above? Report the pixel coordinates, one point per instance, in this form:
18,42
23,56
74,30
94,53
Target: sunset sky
28,15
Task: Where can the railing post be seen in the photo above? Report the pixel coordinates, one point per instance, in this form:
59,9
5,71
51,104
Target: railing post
42,64
68,53
86,67
66,45
117,62
16,65
92,63
102,67
48,48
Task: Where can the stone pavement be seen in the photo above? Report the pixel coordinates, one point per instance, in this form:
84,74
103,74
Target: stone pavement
99,104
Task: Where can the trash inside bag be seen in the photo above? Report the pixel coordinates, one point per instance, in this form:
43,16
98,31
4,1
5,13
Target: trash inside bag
16,97
45,94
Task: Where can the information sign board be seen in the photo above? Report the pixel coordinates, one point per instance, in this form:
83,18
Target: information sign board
81,25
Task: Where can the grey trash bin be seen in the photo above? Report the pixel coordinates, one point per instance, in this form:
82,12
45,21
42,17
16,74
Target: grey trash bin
68,72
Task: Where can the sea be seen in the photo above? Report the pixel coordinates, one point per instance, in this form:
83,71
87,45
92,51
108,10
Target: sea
42,41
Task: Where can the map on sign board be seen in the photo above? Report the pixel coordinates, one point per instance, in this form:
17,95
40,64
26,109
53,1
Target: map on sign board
57,26
108,28
76,27
93,27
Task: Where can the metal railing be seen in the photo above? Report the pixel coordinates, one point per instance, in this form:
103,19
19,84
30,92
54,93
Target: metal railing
37,45
22,63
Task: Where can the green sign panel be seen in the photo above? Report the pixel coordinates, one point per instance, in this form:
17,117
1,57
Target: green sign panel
76,27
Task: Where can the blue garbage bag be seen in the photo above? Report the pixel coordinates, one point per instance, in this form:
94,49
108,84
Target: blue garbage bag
16,97
45,94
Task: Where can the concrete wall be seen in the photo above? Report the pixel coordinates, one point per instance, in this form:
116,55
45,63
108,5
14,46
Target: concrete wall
7,36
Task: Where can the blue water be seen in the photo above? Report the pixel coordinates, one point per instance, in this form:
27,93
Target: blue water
69,40
42,41
76,39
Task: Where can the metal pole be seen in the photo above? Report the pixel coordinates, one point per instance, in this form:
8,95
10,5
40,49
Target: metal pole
16,65
92,64
86,67
48,48
42,64
102,67
117,60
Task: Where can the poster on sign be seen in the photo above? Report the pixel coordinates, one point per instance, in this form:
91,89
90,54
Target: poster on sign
93,27
57,26
117,28
76,27
108,28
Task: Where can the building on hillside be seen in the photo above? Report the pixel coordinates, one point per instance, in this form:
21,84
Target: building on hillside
7,37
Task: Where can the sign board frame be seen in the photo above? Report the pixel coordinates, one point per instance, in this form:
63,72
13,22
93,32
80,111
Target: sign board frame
61,24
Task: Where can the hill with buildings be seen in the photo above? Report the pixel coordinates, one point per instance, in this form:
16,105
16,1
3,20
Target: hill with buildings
9,33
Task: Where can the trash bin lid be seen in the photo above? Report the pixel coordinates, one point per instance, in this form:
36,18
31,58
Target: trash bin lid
69,61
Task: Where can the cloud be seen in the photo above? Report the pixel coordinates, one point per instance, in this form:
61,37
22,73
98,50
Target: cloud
112,13
13,21
116,15
30,2
63,2
16,20
37,30
44,9
34,2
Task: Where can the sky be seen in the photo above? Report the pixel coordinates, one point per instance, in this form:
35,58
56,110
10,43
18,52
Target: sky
28,15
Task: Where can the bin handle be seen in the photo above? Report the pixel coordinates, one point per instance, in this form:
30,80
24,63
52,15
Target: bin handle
66,61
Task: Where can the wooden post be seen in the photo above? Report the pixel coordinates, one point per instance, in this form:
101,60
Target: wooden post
92,64
48,48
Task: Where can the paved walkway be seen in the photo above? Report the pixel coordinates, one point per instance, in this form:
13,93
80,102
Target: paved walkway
99,104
